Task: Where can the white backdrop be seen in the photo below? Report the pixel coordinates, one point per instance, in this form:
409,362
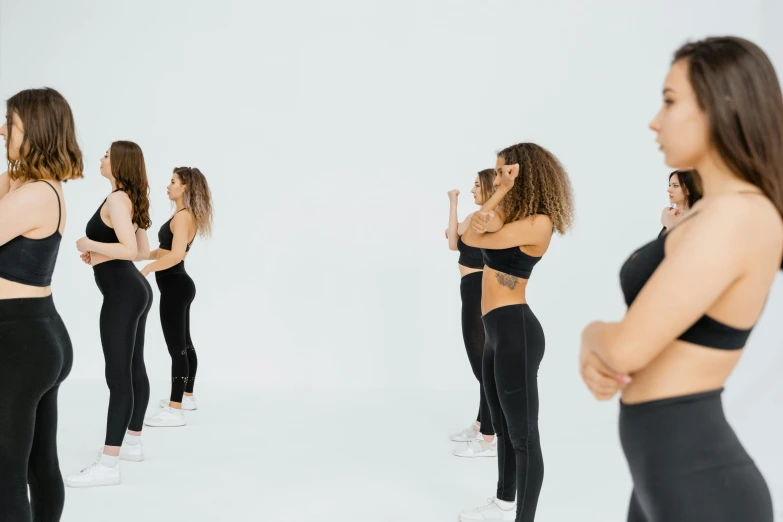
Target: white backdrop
330,133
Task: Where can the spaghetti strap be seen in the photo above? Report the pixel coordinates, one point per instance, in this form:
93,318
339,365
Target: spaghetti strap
59,204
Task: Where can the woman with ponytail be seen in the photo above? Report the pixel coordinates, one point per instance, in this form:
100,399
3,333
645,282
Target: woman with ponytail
116,237
190,193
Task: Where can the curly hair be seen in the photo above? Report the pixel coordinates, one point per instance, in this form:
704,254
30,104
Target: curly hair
198,198
542,187
49,149
128,170
486,180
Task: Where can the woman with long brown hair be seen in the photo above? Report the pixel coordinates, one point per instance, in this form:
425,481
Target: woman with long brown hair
722,114
480,435
189,191
684,191
36,353
532,201
117,236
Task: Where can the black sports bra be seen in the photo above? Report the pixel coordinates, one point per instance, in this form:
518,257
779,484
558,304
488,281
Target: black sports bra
707,332
166,236
511,261
469,256
31,261
99,231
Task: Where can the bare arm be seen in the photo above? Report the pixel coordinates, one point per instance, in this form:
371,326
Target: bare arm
700,262
180,227
120,214
20,211
453,231
143,245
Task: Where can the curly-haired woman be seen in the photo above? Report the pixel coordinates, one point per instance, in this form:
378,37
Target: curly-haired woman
532,201
117,236
189,191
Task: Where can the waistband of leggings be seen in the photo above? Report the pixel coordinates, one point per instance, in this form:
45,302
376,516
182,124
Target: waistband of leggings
507,309
472,276
179,268
26,308
112,265
643,407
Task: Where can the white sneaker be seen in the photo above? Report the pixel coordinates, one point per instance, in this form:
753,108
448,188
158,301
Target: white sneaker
466,435
166,418
94,475
188,403
129,452
478,448
489,512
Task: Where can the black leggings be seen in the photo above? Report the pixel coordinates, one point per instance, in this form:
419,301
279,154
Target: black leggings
177,292
473,335
127,299
687,464
513,352
35,357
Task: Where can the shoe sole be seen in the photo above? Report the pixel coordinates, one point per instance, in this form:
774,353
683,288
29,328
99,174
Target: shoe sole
164,404
165,425
476,455
106,482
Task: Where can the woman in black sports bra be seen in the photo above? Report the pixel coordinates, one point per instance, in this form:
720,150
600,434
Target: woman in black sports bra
471,267
35,350
116,236
532,200
684,192
190,193
722,115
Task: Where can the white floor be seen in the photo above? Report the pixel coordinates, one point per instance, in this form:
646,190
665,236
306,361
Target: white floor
305,456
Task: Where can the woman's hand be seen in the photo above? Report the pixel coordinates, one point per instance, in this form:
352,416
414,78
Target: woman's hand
144,271
670,216
453,195
602,381
508,174
479,221
83,245
87,258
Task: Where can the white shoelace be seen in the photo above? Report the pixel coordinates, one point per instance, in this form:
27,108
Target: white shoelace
488,506
90,468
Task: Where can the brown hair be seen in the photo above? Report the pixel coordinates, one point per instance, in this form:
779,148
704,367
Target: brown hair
198,198
691,183
542,187
736,86
128,170
49,149
486,179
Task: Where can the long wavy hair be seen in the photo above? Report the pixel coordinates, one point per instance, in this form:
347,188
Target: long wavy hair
49,149
542,187
736,86
198,198
130,174
486,179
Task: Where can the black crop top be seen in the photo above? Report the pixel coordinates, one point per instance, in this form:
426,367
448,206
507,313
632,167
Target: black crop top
706,332
511,261
469,256
99,231
166,236
31,261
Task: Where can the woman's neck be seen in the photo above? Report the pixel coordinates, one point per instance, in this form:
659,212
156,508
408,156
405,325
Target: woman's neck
717,179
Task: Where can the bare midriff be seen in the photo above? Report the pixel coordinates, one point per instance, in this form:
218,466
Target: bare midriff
500,289
464,270
681,369
13,290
